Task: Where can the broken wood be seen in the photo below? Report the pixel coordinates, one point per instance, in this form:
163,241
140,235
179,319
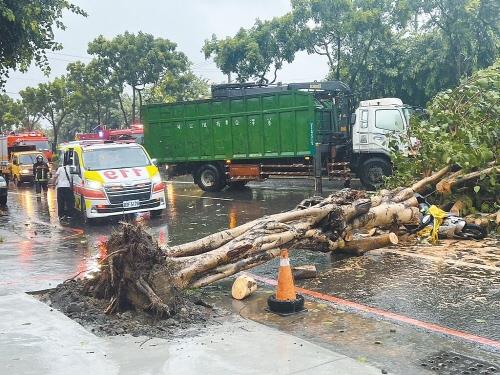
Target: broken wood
243,286
139,273
361,246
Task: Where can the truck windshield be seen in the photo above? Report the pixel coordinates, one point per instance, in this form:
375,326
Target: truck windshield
28,159
40,145
113,158
389,119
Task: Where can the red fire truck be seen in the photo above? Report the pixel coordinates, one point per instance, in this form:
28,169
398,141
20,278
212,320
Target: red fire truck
135,133
33,138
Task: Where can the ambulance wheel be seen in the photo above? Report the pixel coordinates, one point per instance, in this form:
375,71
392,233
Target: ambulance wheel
155,213
209,178
86,220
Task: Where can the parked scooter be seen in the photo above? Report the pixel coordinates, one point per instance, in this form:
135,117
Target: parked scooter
452,226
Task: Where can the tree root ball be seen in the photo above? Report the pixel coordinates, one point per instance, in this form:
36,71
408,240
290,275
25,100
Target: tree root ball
130,271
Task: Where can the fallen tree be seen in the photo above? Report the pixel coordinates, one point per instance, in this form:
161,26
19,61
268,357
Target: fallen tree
138,273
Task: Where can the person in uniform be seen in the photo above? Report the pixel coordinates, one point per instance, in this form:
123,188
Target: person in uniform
40,174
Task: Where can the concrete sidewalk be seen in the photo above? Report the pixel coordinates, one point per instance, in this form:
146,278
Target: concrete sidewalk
35,339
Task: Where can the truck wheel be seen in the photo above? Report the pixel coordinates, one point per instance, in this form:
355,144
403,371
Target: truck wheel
210,178
372,172
3,201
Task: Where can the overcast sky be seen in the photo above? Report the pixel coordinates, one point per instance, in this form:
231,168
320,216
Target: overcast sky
185,22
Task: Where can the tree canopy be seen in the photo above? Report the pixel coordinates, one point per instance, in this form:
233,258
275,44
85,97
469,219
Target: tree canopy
27,32
411,49
138,61
462,129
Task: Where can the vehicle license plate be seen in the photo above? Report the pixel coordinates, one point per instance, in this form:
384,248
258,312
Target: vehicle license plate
130,204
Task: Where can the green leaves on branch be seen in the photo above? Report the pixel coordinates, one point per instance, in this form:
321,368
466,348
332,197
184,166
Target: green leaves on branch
253,53
462,129
27,32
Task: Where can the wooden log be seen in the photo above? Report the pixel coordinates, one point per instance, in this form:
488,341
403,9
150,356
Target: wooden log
243,286
420,186
304,272
361,246
459,179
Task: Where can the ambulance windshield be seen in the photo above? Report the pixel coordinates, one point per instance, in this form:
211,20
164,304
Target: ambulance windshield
114,158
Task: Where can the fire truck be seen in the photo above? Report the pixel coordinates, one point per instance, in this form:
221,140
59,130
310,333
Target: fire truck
33,138
134,133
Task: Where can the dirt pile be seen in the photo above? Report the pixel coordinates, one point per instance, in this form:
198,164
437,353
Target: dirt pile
119,298
191,316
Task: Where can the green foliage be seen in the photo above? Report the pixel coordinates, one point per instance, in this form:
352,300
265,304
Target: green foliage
54,101
139,61
463,129
175,88
411,49
253,53
27,32
16,115
94,96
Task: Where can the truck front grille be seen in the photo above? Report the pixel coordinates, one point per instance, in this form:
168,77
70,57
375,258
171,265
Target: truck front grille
120,194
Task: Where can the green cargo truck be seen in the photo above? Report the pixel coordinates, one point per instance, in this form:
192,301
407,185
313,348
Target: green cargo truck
249,131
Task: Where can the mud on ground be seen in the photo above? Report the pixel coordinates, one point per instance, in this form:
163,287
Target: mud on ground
192,314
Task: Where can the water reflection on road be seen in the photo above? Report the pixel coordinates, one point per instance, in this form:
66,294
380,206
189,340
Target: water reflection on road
38,252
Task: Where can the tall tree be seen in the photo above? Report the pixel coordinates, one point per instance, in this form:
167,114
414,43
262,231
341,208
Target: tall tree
253,53
27,32
139,61
54,101
17,115
176,88
94,97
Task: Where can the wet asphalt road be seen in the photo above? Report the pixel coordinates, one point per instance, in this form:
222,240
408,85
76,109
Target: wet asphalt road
447,287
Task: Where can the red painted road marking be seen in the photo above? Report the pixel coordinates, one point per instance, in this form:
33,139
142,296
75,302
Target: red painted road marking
389,315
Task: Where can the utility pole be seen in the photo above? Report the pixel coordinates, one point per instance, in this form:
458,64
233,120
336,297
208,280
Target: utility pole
318,183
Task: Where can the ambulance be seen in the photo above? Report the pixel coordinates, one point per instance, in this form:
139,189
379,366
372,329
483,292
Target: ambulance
110,178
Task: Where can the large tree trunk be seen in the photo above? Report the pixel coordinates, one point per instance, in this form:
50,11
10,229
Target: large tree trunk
138,272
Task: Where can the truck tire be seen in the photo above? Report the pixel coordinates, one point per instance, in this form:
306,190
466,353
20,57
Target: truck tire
209,178
372,172
3,201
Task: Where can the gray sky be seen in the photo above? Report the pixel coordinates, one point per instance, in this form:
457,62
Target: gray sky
187,23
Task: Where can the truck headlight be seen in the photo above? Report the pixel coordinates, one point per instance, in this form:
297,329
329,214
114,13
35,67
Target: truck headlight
156,179
96,185
25,171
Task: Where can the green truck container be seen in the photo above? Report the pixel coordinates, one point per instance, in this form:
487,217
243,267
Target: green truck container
234,139
264,126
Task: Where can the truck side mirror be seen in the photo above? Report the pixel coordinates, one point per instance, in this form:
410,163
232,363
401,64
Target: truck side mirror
353,118
154,161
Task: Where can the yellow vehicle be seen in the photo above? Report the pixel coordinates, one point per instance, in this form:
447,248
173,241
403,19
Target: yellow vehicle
21,166
112,178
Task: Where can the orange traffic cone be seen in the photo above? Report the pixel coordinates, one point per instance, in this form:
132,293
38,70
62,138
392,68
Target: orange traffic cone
285,301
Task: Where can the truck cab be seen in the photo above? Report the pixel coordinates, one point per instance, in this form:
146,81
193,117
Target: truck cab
111,178
375,124
21,166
